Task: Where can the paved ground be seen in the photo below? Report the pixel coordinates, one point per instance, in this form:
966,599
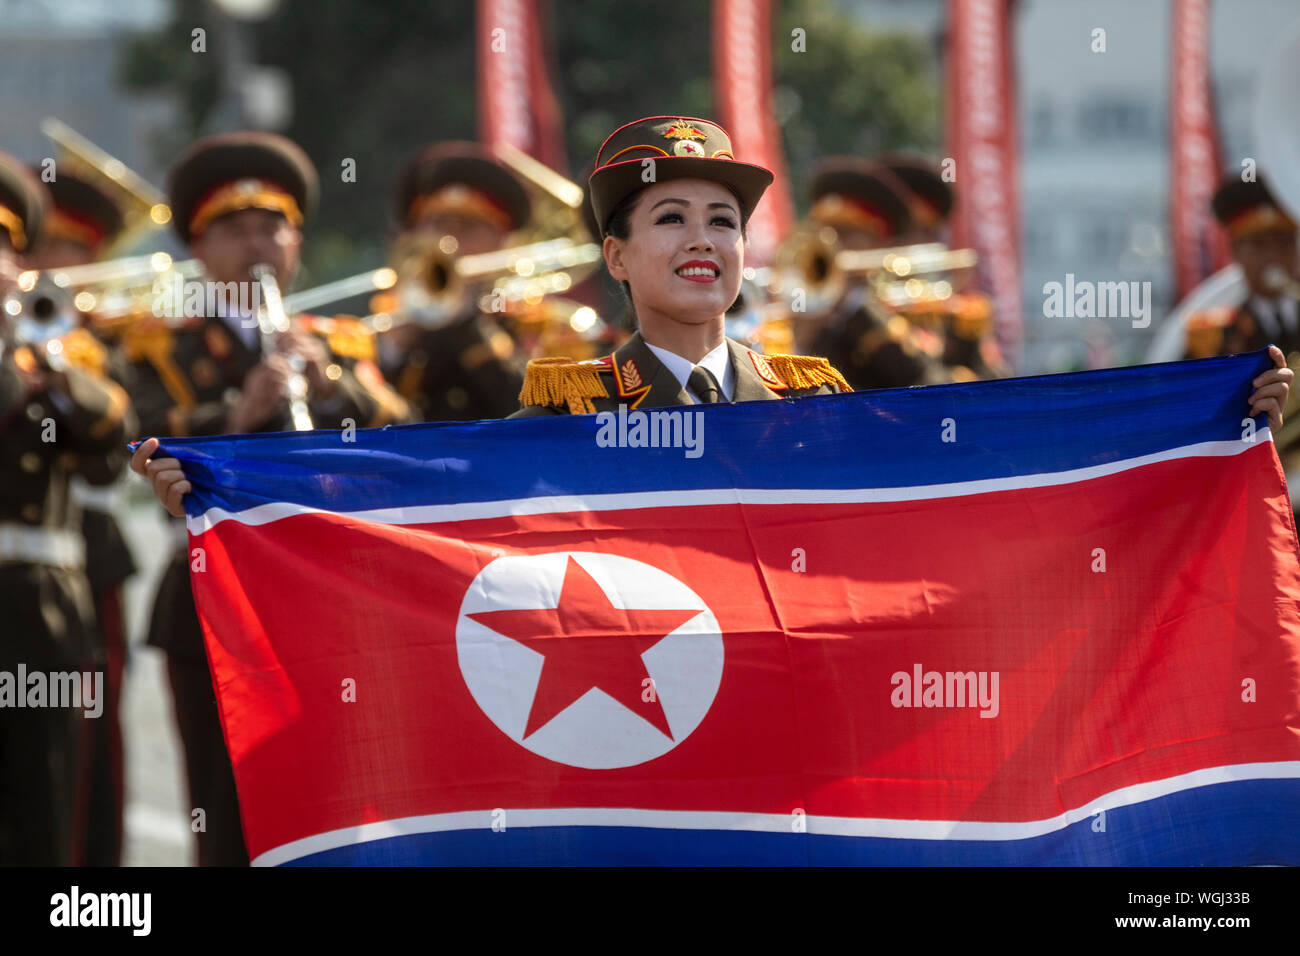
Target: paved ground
157,814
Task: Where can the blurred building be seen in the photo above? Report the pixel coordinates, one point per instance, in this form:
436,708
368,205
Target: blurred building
61,58
1094,134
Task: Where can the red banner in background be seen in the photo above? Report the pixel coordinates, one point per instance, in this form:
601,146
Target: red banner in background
516,102
742,76
1199,246
982,139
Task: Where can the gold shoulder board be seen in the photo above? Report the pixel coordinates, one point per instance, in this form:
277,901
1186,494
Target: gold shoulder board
562,381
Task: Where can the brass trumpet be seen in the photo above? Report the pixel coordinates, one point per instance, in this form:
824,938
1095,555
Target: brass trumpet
49,304
38,312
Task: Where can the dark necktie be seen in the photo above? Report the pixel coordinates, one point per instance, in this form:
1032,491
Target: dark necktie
704,385
1268,318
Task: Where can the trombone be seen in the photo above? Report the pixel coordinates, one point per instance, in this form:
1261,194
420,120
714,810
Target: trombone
143,206
812,262
433,286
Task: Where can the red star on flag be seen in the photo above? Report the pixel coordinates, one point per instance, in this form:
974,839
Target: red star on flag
587,642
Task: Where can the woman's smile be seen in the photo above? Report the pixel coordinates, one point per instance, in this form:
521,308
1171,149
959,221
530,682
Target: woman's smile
700,270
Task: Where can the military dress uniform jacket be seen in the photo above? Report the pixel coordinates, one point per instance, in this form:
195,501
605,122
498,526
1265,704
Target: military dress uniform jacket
1228,330
874,350
464,372
87,430
108,558
186,379
634,377
46,438
1248,331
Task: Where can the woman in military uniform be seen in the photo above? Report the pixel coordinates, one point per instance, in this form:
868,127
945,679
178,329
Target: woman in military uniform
672,202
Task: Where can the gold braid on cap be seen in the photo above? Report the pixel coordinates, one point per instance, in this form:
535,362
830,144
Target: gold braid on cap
1264,217
462,200
60,225
835,209
246,193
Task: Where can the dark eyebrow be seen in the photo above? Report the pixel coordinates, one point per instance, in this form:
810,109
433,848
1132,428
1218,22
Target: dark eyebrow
712,205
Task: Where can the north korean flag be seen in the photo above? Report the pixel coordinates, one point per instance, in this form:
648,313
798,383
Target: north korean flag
1046,620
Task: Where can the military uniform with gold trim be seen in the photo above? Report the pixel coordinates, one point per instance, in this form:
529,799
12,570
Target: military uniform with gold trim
467,371
83,221
187,375
634,377
1248,212
1224,330
956,329
873,348
47,434
469,367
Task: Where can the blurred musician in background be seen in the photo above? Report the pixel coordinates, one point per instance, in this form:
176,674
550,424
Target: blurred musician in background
867,206
239,201
1263,240
59,417
83,221
963,319
453,361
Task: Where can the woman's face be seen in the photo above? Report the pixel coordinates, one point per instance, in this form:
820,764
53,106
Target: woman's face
684,252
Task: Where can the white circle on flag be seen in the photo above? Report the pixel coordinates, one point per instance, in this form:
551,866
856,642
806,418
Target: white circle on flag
595,731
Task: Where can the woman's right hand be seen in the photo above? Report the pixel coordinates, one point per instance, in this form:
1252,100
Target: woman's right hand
164,474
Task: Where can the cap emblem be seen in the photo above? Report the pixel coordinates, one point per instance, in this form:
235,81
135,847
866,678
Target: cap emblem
684,131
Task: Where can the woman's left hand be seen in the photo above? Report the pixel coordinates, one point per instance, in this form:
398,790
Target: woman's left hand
1271,389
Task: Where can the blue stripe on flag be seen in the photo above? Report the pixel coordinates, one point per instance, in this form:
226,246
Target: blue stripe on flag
888,438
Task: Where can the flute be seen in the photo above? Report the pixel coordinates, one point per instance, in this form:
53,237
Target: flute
272,318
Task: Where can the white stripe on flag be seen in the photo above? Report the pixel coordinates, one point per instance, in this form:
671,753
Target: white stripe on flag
778,822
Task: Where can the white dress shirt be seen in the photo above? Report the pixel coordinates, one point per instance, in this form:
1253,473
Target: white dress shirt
245,328
717,362
1268,312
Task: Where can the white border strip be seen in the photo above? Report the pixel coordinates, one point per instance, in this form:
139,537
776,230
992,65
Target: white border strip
468,511
777,822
